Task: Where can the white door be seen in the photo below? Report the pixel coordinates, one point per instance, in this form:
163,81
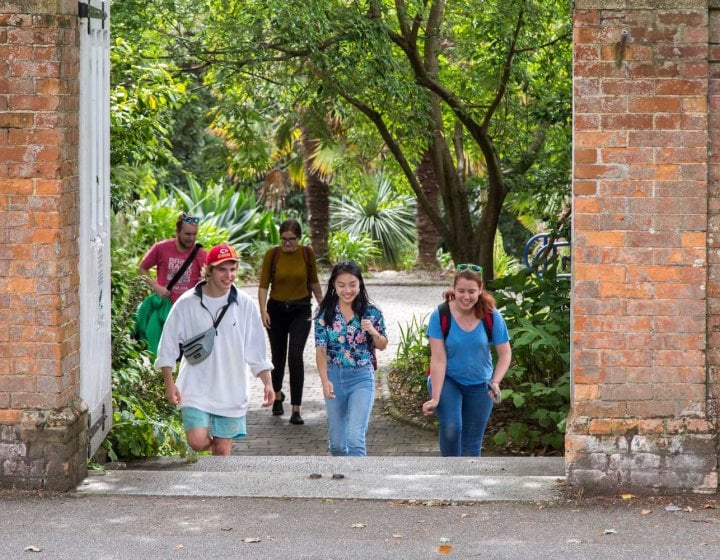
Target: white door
94,240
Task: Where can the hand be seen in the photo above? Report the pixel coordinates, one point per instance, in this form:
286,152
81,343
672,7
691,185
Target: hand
366,325
328,390
172,394
162,291
494,392
269,396
429,407
265,316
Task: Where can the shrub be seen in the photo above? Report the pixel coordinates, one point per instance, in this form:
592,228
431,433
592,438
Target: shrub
144,424
357,247
537,311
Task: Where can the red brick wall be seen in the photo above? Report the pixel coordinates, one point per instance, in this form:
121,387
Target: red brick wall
39,340
639,415
43,422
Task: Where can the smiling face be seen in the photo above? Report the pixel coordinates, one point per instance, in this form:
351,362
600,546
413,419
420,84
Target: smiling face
347,287
220,277
467,293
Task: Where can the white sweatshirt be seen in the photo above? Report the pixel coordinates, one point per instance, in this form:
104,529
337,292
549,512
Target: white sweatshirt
219,384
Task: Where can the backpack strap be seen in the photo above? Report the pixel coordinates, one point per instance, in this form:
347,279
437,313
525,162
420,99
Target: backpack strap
487,321
273,263
444,311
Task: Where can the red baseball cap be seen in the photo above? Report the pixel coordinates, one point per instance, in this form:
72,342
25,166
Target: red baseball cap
220,254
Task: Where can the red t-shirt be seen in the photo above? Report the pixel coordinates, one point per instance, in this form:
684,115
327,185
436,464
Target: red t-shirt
168,260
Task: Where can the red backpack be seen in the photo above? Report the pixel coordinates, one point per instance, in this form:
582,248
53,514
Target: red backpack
445,323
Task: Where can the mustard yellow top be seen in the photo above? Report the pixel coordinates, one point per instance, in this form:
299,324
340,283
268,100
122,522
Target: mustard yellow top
290,282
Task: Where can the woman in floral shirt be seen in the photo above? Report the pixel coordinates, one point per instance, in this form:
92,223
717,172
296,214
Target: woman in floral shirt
347,328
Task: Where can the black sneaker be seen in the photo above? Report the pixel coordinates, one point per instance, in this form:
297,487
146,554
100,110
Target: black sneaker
295,418
278,409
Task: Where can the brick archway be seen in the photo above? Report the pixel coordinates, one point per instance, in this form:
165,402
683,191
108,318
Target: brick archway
646,264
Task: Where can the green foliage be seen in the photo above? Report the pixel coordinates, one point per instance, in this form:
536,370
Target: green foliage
247,225
537,310
143,423
388,217
143,99
359,248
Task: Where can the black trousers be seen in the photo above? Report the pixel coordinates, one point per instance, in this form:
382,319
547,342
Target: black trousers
289,329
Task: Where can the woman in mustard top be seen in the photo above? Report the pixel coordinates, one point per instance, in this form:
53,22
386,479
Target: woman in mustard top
290,273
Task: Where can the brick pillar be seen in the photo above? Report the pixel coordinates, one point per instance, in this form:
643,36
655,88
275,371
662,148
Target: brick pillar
640,418
42,420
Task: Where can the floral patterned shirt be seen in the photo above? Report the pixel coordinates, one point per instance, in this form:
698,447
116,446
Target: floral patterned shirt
347,345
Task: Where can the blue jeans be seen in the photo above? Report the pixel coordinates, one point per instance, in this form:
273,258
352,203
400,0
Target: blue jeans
463,413
348,414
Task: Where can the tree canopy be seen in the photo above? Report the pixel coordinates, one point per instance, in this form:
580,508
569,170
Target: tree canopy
479,91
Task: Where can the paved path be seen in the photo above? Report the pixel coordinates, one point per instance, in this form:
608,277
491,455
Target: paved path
270,435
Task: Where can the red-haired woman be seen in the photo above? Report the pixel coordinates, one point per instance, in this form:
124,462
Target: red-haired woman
463,383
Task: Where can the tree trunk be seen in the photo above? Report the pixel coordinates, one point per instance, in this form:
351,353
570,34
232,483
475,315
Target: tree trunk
317,200
428,239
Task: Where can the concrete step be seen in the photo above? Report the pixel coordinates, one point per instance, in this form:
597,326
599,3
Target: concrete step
457,479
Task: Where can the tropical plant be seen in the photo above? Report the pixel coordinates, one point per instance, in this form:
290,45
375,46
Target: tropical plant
388,217
359,248
237,212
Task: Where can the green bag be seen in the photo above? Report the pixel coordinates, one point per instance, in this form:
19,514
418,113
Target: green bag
150,319
153,310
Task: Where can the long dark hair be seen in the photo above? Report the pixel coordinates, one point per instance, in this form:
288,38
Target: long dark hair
485,302
326,309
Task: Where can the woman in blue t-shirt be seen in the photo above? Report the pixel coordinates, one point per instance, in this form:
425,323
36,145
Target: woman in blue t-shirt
347,328
463,384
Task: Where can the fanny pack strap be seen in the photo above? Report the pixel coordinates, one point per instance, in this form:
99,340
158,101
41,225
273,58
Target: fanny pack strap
232,298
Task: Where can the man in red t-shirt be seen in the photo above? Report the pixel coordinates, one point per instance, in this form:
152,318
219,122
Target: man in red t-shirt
169,255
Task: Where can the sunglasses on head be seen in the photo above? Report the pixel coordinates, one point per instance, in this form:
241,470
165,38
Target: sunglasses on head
467,266
190,219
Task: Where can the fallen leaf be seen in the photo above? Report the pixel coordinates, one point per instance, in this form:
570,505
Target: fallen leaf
251,540
610,532
445,549
358,525
573,541
444,540
709,506
398,536
179,546
464,515
688,509
671,507
32,548
645,512
628,496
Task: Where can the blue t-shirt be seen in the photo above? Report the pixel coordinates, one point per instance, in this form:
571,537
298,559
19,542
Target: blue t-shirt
346,343
469,361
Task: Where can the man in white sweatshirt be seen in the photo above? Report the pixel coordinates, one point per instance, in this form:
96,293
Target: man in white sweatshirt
213,392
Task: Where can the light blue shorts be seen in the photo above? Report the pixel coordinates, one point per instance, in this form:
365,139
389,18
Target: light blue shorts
224,427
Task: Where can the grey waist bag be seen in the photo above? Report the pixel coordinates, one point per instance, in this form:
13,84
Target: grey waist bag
200,346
